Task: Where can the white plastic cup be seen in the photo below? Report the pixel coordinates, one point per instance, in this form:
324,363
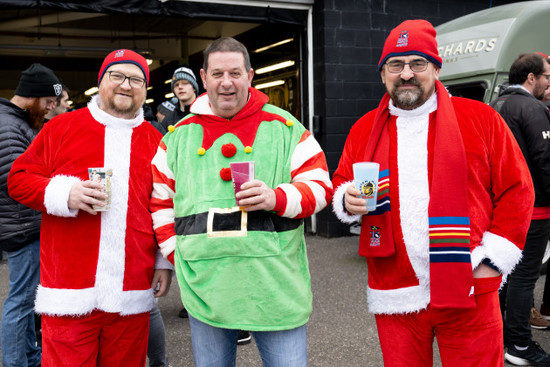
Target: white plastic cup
102,176
365,176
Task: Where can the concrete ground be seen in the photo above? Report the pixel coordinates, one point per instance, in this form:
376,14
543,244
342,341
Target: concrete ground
340,332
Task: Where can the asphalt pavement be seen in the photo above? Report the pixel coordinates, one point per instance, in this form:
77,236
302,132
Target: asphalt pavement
340,332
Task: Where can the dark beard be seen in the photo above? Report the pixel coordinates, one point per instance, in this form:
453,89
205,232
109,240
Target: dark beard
407,100
36,114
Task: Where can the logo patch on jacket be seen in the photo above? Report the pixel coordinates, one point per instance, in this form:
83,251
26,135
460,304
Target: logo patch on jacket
374,236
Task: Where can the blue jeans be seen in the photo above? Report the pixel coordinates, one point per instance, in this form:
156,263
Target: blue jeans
18,336
156,346
217,347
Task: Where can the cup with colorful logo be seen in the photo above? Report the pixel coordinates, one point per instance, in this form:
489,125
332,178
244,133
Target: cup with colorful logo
365,176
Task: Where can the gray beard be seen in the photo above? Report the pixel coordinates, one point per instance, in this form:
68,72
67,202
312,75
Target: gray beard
407,100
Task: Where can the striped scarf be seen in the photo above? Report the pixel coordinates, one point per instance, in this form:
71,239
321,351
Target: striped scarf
451,281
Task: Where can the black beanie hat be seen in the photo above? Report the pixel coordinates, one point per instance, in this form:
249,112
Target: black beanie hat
38,81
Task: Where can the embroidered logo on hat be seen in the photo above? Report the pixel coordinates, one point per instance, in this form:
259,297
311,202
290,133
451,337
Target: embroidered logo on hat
403,39
57,89
119,53
412,37
169,106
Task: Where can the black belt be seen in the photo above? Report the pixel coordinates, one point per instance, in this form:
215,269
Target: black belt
233,221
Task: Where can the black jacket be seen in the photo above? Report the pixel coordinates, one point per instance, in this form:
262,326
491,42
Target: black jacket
172,118
19,224
529,120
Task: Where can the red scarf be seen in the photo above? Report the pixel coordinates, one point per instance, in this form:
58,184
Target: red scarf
451,280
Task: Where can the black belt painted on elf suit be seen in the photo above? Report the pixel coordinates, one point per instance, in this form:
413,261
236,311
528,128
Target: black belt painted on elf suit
233,219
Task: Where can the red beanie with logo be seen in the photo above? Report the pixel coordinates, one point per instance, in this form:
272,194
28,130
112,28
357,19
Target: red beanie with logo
124,57
412,37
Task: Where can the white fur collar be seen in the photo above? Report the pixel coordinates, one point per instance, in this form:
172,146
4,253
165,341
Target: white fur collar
111,121
428,107
201,106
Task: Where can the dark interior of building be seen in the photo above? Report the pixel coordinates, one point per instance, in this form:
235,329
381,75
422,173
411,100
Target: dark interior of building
74,43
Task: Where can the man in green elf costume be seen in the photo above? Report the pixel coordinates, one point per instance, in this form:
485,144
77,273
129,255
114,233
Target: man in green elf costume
240,258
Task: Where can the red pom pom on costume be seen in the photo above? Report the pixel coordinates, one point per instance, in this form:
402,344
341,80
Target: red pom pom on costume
225,174
229,150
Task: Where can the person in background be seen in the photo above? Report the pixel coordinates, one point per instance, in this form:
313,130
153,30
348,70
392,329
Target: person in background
62,103
240,257
528,118
164,109
185,89
545,306
99,269
20,120
453,208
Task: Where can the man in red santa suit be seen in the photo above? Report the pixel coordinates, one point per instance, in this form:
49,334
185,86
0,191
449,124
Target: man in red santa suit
98,275
454,203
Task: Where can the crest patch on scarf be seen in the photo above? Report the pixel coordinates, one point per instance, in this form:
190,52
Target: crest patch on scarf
374,236
403,39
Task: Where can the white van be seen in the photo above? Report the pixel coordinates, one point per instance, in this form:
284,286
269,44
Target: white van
478,49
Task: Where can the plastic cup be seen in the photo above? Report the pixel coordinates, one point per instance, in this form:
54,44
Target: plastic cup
103,176
365,176
241,172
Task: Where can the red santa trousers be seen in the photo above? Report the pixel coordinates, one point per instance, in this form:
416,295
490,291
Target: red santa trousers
99,339
471,337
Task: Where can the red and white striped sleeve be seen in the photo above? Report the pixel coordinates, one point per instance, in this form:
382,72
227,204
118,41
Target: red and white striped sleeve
310,188
162,204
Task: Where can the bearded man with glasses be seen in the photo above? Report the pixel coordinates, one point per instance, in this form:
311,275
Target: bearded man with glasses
98,272
454,202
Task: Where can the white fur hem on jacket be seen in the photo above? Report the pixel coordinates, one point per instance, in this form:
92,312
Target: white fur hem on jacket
398,301
502,252
79,302
56,196
338,205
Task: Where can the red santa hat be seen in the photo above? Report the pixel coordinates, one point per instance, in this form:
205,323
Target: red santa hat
412,37
124,57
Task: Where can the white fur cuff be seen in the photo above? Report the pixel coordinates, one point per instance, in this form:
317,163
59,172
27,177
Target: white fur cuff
338,205
162,263
56,196
503,253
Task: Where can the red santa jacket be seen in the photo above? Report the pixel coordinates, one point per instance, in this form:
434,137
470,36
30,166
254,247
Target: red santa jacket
104,261
500,201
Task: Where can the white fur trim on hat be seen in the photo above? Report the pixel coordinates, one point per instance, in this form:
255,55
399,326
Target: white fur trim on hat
56,196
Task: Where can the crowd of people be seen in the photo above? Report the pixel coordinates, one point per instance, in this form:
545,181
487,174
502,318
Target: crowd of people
446,259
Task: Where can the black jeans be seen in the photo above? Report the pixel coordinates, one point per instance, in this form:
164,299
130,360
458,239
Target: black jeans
546,294
516,297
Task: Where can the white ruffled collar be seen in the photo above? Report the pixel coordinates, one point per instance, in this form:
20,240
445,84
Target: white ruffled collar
111,121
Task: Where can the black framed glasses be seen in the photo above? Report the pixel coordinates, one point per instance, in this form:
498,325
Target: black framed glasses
119,78
417,66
